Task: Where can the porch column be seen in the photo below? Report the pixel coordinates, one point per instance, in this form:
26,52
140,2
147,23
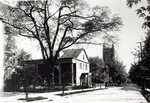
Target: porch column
72,73
59,68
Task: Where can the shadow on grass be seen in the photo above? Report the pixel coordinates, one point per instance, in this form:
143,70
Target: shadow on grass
30,99
77,92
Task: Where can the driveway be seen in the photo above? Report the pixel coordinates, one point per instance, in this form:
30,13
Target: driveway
109,95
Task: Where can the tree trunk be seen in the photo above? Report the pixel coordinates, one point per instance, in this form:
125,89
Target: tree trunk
26,93
51,70
26,96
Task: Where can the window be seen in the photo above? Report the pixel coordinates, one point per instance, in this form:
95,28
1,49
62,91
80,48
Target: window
86,66
80,65
83,66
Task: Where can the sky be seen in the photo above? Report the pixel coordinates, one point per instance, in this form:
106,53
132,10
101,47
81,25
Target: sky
129,35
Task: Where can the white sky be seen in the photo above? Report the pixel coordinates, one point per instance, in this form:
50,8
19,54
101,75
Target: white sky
130,33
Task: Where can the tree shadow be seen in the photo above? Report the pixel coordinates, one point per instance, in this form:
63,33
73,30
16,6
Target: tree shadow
30,99
77,92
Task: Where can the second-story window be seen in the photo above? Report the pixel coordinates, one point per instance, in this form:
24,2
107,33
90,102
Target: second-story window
80,65
86,67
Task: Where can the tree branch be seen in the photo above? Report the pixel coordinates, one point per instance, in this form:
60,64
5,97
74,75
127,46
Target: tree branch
23,11
46,27
26,35
57,30
80,36
52,14
65,32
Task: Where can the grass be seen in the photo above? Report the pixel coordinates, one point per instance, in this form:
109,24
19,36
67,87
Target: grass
131,87
8,94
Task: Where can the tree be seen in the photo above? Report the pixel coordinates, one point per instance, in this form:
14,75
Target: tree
146,51
59,28
117,72
97,69
137,75
144,12
27,76
10,52
12,74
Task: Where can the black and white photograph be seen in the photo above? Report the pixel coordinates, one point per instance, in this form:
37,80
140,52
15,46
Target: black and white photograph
74,51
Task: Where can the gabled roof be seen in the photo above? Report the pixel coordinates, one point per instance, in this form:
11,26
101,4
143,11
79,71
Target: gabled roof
67,54
71,53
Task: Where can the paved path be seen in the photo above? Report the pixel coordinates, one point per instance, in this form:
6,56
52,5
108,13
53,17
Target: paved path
110,95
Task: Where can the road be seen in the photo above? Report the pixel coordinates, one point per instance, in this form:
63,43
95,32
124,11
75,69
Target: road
109,95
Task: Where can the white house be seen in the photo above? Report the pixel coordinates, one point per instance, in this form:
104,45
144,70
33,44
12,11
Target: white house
75,67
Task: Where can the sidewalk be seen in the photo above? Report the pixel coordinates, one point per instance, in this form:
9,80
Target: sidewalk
90,95
39,97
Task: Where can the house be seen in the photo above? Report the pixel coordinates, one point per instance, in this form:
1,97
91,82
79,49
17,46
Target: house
73,68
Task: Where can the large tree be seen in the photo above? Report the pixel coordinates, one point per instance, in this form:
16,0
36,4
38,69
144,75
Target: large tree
59,24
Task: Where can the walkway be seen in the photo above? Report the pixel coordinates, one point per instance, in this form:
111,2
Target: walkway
110,95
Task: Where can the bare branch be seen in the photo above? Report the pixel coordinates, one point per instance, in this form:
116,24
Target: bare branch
62,39
26,35
57,29
71,13
79,37
23,11
14,26
52,14
64,21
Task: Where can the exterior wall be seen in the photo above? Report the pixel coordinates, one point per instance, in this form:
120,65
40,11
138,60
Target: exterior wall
81,70
82,66
83,57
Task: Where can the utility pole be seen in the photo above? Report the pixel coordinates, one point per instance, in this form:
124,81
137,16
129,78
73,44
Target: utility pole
141,61
141,50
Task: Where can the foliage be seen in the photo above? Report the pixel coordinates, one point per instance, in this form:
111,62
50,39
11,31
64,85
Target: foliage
142,11
140,71
13,77
117,72
146,52
137,74
59,28
97,69
10,52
